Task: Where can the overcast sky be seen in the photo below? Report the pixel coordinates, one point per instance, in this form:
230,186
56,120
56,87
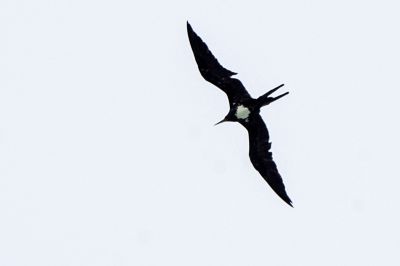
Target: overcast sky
109,156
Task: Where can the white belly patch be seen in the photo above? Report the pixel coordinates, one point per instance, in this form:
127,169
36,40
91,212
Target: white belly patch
242,112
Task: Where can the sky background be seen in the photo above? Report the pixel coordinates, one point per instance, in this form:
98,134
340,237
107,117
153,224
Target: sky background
109,156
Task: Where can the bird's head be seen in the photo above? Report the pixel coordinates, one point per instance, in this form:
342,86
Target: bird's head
230,117
238,113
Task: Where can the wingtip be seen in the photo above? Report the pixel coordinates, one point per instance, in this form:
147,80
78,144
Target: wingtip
288,202
190,30
189,27
286,199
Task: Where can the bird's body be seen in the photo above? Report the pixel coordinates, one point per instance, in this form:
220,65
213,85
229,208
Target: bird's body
243,109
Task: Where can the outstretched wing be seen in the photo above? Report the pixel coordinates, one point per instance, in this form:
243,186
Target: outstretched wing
213,72
261,157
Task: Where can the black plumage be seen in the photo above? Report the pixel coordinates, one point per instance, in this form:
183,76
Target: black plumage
243,109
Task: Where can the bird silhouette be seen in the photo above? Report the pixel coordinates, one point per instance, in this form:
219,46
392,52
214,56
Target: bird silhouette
243,109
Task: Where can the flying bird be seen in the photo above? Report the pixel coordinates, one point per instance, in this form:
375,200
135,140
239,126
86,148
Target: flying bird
243,109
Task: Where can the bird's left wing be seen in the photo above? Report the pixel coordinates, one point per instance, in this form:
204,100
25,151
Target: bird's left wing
213,72
261,156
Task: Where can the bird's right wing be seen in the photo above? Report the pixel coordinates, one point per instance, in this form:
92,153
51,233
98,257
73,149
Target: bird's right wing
261,157
213,72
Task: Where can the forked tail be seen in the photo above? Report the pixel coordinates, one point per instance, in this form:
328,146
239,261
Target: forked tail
265,99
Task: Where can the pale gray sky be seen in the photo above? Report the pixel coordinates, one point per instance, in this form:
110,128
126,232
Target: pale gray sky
109,156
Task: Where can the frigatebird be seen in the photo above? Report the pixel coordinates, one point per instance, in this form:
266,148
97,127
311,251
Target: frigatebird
243,109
